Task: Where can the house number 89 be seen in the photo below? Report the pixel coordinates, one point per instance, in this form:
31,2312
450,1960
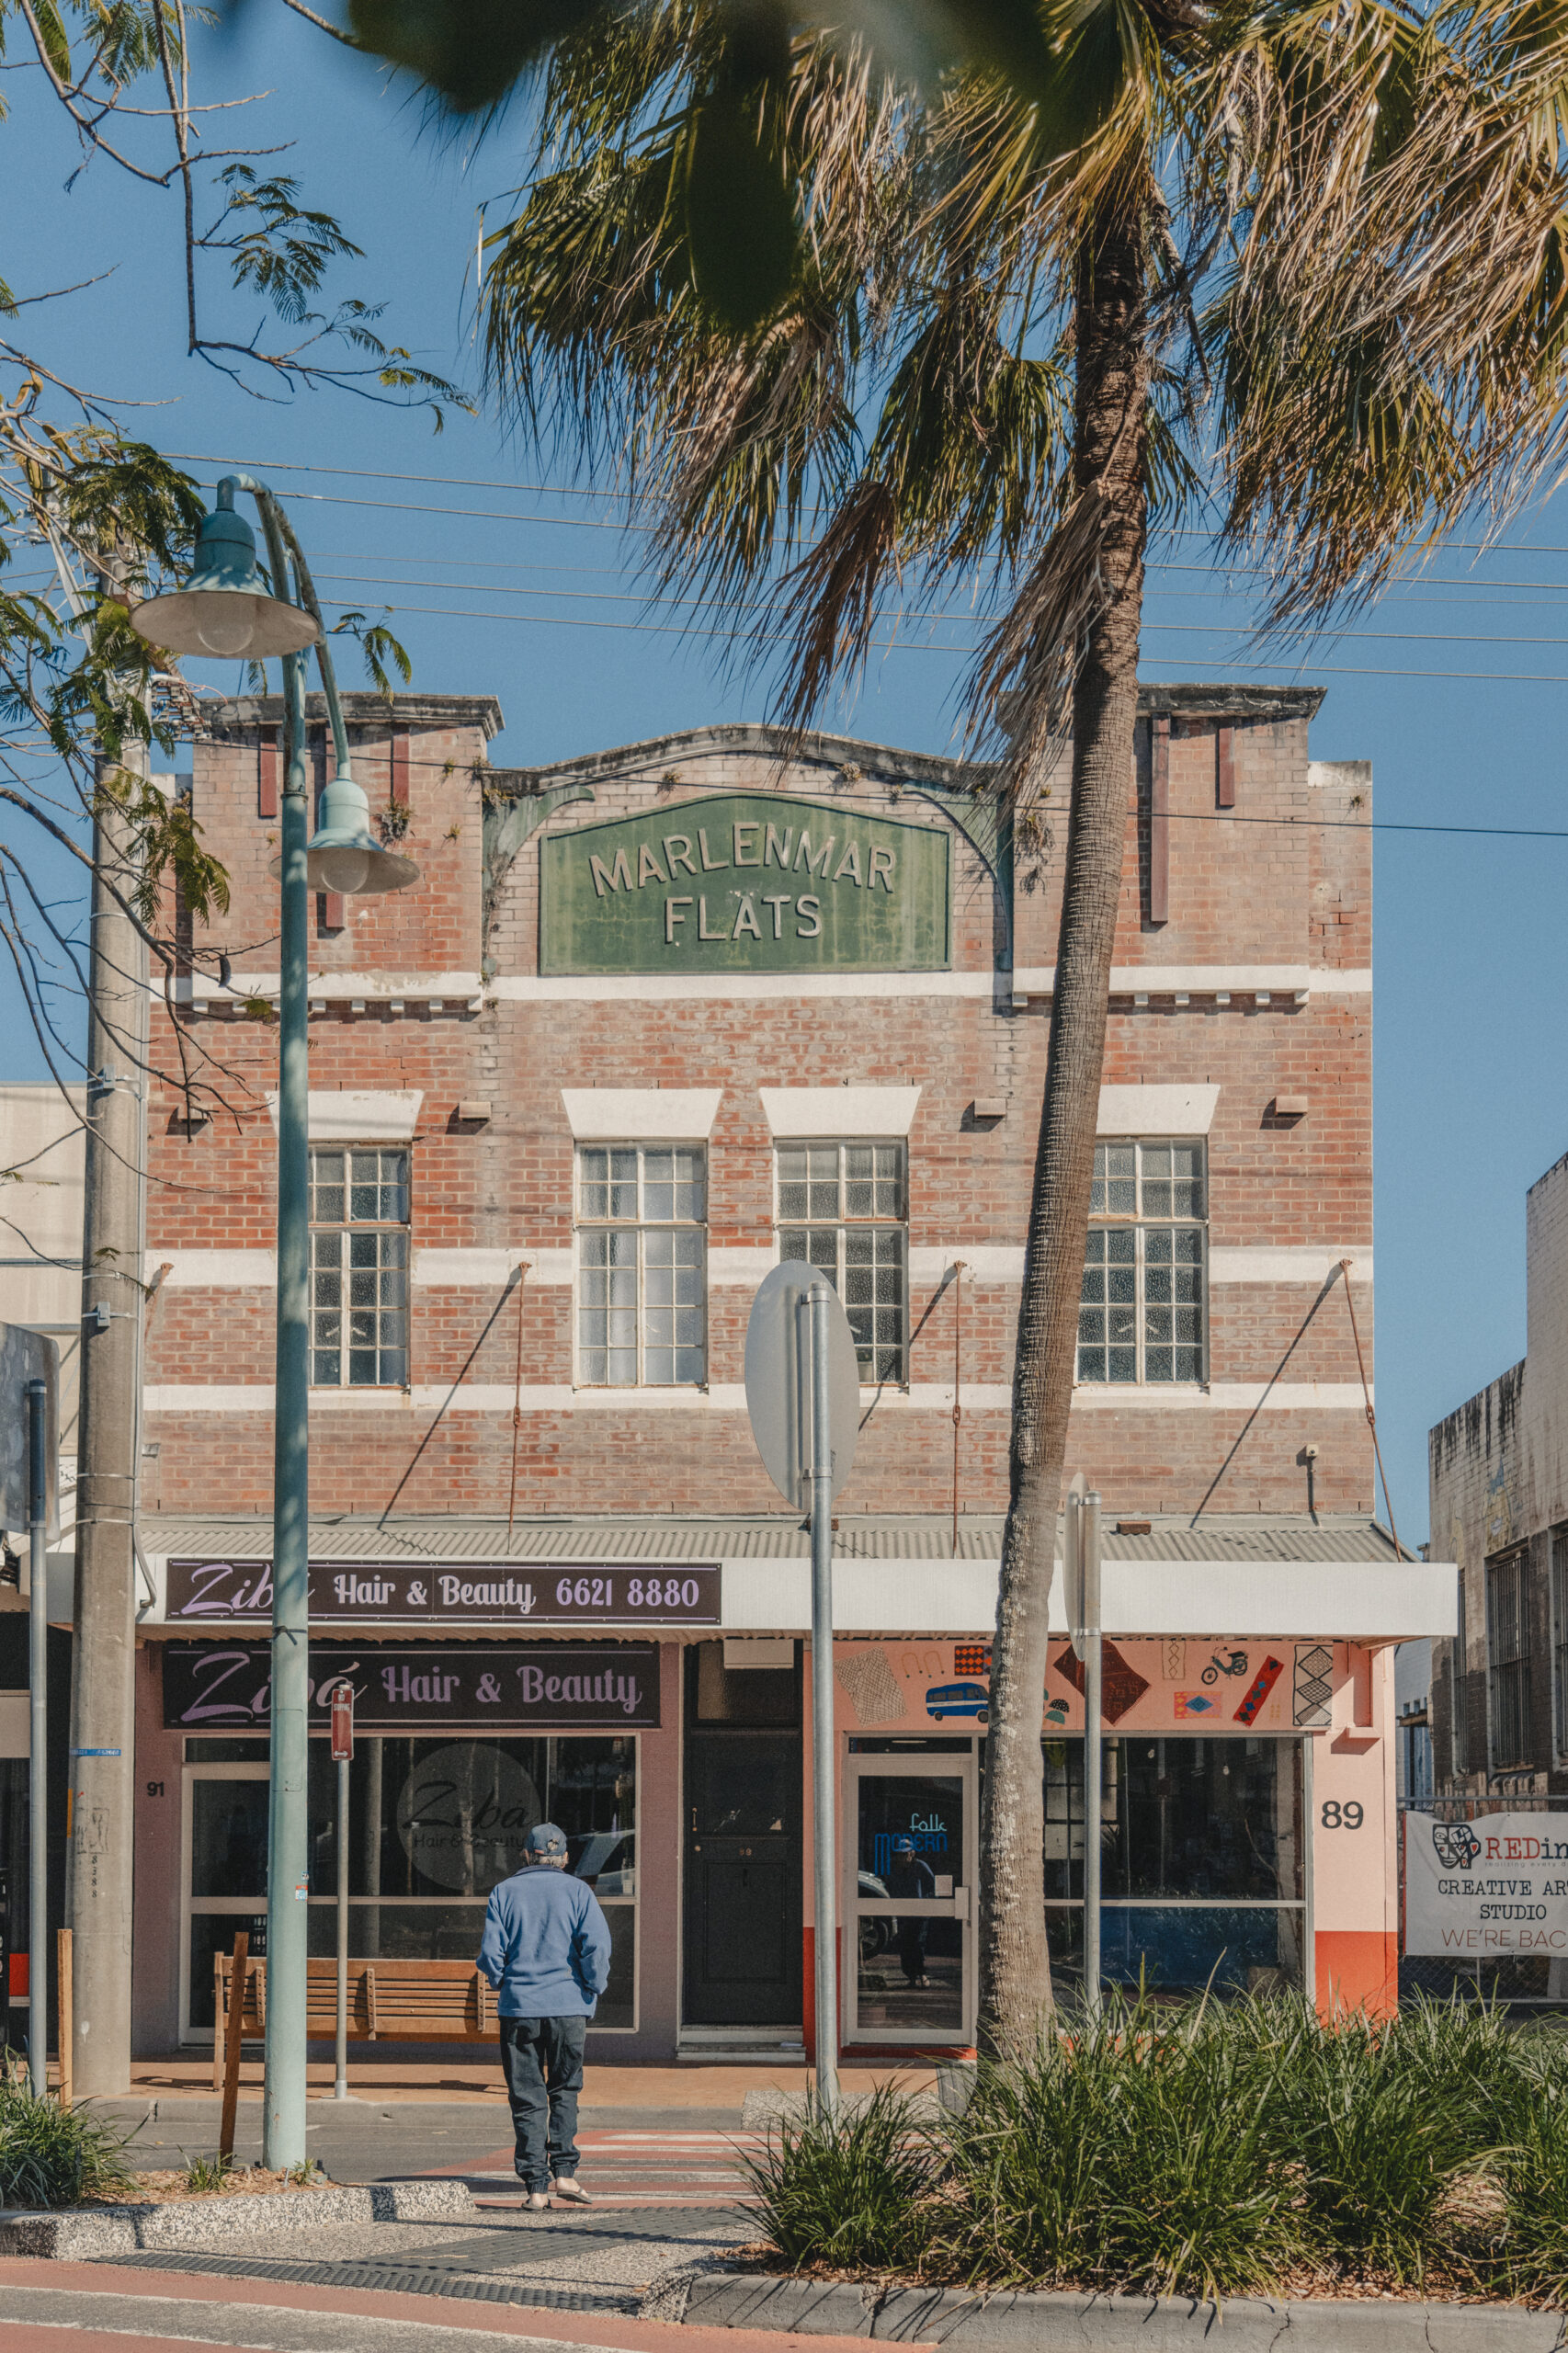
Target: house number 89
1336,1817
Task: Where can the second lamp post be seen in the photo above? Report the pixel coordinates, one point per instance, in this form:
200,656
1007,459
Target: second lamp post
227,610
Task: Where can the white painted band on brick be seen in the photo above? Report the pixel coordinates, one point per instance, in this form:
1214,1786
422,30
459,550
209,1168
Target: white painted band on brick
1280,981
359,1114
738,1265
730,1397
640,1114
1306,1262
983,1261
840,1110
221,1269
1196,980
679,988
1156,1111
1231,1396
201,988
485,1269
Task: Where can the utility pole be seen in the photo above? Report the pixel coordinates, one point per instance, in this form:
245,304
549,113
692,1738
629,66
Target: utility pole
103,1667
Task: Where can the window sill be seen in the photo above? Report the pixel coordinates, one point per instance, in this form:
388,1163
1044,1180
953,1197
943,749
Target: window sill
1145,1388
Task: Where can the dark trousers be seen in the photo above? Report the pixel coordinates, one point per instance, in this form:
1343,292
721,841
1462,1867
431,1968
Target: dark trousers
542,2061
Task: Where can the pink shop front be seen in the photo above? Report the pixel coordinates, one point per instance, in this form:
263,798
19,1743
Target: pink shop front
1248,1825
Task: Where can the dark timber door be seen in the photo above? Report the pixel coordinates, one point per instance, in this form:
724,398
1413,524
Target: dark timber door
743,1842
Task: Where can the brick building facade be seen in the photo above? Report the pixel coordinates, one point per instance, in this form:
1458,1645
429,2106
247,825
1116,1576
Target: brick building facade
648,1020
1498,1469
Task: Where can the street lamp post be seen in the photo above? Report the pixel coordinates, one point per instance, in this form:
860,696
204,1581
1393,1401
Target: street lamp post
228,609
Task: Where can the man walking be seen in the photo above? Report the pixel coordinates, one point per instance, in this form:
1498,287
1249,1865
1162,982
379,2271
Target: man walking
546,1951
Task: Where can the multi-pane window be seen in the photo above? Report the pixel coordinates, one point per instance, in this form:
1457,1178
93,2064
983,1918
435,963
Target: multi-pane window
1507,1659
642,1250
359,1269
841,1206
1560,1639
1141,1313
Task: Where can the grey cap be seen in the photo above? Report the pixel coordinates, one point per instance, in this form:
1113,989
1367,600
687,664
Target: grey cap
544,1838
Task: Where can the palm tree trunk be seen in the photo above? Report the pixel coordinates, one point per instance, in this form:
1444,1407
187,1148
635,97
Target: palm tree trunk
1016,1996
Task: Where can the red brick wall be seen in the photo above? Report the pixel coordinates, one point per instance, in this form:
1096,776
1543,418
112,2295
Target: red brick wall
1242,893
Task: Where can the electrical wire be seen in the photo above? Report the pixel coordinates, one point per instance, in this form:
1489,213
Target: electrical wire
560,490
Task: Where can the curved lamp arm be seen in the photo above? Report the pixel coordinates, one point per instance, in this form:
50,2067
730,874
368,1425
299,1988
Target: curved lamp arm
282,544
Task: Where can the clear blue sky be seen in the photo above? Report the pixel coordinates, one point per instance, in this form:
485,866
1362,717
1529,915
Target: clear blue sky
1470,989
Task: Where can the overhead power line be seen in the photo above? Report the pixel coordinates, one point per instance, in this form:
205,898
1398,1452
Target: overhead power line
575,490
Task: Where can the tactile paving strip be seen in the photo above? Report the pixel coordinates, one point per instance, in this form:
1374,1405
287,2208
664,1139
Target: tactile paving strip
399,2278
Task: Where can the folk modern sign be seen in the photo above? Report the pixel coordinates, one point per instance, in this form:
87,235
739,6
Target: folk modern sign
550,1593
423,1687
1496,1886
746,883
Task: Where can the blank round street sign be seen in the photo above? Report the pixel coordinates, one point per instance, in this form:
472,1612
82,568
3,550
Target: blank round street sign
779,1381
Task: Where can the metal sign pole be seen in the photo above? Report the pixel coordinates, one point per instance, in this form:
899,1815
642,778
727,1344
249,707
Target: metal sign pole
38,1739
803,1399
822,1303
1094,1752
343,1754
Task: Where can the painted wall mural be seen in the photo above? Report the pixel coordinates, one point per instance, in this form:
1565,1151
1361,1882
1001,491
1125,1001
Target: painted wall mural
1221,1685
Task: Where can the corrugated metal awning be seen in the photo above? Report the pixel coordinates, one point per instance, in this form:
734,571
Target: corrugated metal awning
1229,1536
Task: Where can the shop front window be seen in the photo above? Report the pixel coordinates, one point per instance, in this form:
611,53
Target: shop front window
1200,1861
434,1825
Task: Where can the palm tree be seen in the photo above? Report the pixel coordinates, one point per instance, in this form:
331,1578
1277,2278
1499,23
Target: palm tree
1295,271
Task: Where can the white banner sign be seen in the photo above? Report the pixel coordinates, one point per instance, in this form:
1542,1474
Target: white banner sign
1497,1885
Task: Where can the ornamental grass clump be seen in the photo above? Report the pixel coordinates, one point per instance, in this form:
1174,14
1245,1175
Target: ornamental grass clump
1528,2256
52,2155
845,2191
1385,2117
1132,2153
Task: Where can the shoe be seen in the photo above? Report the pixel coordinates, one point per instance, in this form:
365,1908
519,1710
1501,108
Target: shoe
568,2188
536,2202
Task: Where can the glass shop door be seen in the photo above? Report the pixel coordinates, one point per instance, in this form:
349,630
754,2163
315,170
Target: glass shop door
913,1835
223,1880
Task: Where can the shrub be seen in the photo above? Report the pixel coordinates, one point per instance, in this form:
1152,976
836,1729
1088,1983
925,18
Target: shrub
1531,2253
1384,2117
1134,2154
1205,2150
52,2155
844,2191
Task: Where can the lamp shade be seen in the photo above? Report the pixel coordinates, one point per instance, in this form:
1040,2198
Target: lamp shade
225,609
343,855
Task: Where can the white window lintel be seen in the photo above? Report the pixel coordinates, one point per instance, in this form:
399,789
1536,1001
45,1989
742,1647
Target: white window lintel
641,1114
359,1114
840,1111
1156,1111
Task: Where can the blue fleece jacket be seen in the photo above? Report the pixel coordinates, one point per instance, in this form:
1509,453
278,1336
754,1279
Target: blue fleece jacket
546,1945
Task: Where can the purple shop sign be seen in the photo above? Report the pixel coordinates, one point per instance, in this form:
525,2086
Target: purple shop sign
550,1593
227,1686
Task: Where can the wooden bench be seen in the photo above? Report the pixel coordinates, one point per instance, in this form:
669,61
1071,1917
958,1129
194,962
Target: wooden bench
388,2001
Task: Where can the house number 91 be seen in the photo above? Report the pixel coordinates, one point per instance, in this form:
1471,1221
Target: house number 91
1336,1817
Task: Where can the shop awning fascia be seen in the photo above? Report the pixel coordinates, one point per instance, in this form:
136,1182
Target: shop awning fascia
1327,1600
